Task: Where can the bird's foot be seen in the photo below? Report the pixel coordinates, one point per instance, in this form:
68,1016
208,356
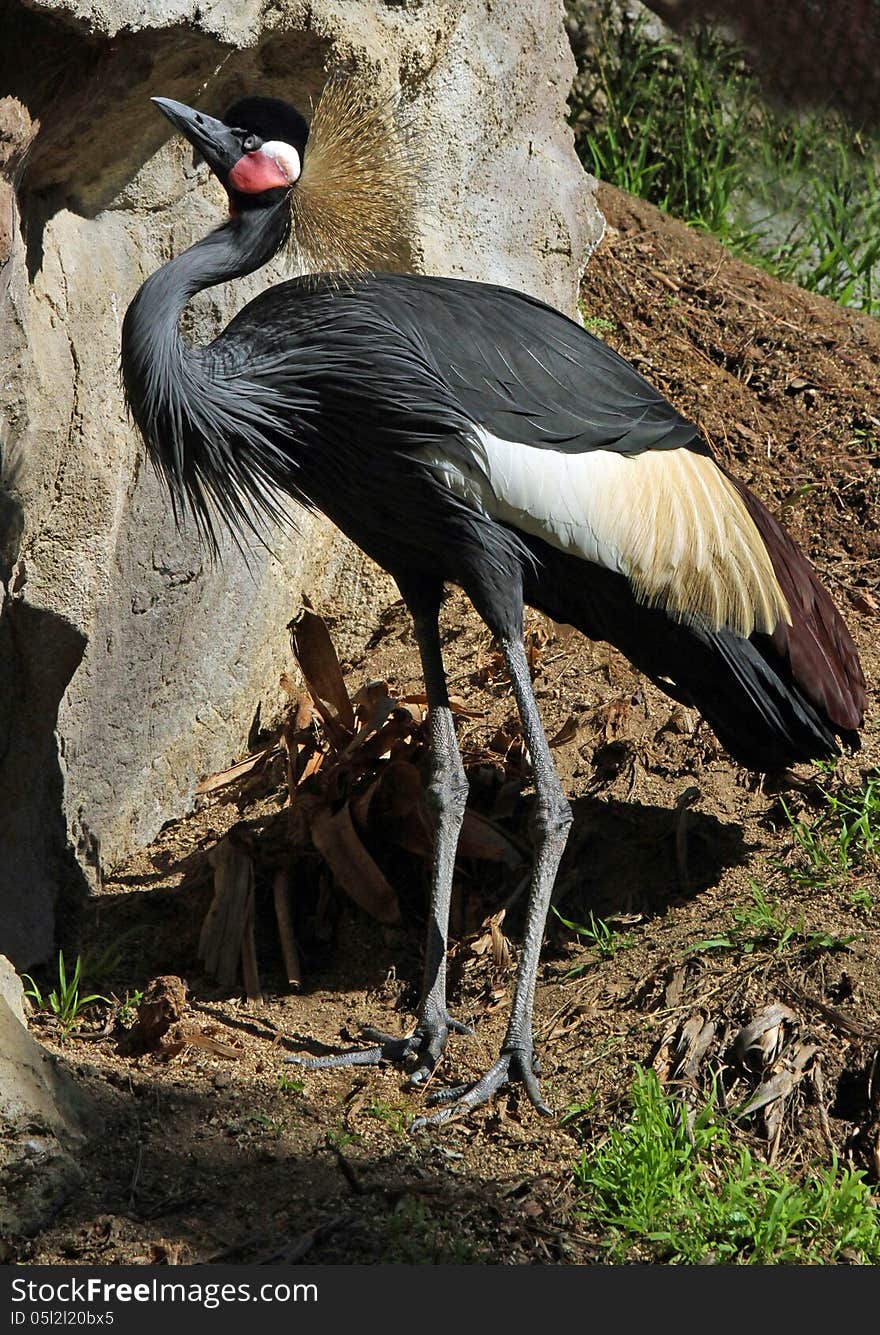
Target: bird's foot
515,1065
419,1052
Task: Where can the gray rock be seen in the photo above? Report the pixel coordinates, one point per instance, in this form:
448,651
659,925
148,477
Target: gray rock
12,991
44,1121
129,666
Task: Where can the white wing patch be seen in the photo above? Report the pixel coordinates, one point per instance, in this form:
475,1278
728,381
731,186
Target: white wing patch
669,520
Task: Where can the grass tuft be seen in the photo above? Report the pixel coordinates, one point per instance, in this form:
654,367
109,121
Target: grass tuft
844,838
763,924
64,1001
601,938
674,1187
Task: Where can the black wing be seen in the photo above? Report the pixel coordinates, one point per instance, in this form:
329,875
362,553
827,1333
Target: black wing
498,358
528,373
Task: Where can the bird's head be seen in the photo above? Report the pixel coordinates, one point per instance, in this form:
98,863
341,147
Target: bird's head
256,150
350,176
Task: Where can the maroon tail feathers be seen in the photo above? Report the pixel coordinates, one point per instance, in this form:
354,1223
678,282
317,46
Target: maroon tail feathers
824,660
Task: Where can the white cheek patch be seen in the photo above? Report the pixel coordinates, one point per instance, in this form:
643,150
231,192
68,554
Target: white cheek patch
287,158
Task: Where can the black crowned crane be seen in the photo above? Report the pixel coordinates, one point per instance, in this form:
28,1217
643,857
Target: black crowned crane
464,433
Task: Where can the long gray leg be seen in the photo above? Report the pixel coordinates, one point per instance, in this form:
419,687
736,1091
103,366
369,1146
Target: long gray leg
447,795
447,798
550,826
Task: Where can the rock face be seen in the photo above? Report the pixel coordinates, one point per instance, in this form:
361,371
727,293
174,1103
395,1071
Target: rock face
44,1121
129,665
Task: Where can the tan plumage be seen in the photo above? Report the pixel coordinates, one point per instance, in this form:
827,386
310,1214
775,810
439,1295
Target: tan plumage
669,520
353,205
692,547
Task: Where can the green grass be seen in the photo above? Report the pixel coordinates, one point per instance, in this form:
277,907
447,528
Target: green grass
418,1234
861,899
127,1009
596,934
662,121
576,1112
394,1117
599,325
685,126
668,1187
826,182
763,924
64,1001
844,838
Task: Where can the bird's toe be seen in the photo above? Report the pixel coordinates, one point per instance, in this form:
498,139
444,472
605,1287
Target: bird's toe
515,1067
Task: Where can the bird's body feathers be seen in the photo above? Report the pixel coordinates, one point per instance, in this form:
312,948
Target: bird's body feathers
467,433
381,400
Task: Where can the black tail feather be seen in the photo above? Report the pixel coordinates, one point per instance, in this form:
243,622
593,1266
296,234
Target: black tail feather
747,690
818,646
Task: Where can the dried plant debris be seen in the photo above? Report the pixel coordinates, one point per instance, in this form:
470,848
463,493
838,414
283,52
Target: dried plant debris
353,776
162,1026
227,934
760,1042
754,1069
683,1048
493,942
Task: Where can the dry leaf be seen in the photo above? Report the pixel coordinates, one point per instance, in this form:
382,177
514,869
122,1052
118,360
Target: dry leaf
780,1084
234,772
613,715
481,839
316,656
567,732
500,944
373,744
336,839
863,602
759,1043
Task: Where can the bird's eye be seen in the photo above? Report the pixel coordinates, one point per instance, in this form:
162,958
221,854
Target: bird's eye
251,143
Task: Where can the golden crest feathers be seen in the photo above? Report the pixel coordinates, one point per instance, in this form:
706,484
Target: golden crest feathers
352,206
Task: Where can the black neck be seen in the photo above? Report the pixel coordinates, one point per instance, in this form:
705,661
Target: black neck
181,409
155,360
244,244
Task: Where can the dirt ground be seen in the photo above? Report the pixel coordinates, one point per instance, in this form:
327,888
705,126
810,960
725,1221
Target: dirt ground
222,1152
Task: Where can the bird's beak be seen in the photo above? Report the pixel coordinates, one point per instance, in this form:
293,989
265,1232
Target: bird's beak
217,144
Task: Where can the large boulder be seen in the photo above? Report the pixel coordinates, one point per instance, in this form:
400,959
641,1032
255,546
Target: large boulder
129,664
45,1121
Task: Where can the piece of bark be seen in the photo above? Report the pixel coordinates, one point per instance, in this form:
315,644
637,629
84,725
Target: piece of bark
223,777
336,839
249,971
230,917
316,656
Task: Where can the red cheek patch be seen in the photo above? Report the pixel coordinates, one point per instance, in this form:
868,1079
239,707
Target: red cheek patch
256,172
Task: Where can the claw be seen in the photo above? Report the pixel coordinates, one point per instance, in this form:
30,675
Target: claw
515,1066
422,1050
451,1094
